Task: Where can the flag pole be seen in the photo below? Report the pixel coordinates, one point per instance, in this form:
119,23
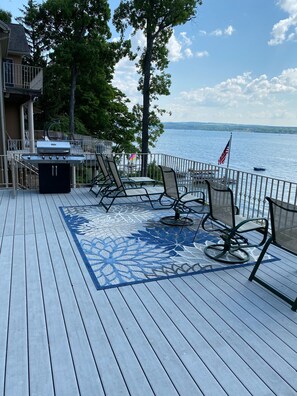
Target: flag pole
230,141
228,160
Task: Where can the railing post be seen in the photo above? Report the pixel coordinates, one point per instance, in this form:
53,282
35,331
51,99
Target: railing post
73,176
14,175
31,126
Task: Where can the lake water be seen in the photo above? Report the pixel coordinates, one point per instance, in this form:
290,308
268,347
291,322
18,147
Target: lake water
277,153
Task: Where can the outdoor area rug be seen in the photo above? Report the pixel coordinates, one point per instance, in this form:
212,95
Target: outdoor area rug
130,245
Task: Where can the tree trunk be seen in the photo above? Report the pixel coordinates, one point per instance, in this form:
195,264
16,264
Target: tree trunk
146,102
72,100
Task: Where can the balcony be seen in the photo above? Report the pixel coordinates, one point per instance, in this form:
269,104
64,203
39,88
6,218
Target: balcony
22,79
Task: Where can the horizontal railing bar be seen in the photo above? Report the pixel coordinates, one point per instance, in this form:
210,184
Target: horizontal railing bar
249,189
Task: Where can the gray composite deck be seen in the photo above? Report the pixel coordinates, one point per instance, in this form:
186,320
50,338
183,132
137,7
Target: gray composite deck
209,334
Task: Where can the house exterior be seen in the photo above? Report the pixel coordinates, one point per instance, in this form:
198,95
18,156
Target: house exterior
19,86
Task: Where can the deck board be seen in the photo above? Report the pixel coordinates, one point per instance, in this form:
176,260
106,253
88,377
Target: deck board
268,365
17,347
151,364
38,343
64,376
200,317
214,333
5,287
199,358
173,364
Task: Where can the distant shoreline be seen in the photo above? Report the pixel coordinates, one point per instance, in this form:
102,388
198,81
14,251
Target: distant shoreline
207,126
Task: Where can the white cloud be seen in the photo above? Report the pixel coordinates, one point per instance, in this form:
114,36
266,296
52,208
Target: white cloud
188,53
179,48
186,39
217,32
289,6
285,29
228,31
240,99
245,89
201,54
138,40
175,49
126,79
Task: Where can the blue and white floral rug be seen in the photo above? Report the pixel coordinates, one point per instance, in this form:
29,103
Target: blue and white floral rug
130,245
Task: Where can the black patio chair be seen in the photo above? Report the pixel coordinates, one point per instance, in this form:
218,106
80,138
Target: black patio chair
126,189
103,179
232,226
283,217
180,199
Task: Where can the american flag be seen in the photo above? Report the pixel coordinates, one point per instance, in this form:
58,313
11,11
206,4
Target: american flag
224,153
132,157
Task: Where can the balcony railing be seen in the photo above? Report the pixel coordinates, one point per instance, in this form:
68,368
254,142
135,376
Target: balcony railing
249,189
22,77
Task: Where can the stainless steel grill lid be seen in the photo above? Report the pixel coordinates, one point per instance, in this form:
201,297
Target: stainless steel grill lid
50,147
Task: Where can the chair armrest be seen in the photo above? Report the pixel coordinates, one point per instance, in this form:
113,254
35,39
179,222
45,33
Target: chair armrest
202,198
199,199
183,188
261,221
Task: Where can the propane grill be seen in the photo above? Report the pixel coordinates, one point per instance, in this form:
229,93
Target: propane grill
54,160
53,152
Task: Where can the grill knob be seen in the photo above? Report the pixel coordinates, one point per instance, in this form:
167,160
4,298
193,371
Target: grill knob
43,157
57,157
50,157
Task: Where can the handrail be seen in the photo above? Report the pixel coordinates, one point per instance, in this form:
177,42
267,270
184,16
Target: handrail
22,76
86,143
22,174
249,189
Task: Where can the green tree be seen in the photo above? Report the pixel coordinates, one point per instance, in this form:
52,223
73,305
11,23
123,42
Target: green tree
100,109
30,22
156,19
5,16
71,31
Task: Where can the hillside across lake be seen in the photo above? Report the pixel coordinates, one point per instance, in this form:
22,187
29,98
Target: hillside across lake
208,126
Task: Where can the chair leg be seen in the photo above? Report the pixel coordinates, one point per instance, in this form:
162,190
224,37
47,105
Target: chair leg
204,221
253,276
256,266
224,254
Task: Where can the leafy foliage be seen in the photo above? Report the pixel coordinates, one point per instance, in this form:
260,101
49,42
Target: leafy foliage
5,16
156,20
30,22
72,40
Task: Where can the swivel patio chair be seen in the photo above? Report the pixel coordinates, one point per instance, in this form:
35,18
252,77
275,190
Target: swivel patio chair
232,227
180,199
125,189
283,217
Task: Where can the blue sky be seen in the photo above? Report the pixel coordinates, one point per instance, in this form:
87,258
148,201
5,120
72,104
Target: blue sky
235,62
